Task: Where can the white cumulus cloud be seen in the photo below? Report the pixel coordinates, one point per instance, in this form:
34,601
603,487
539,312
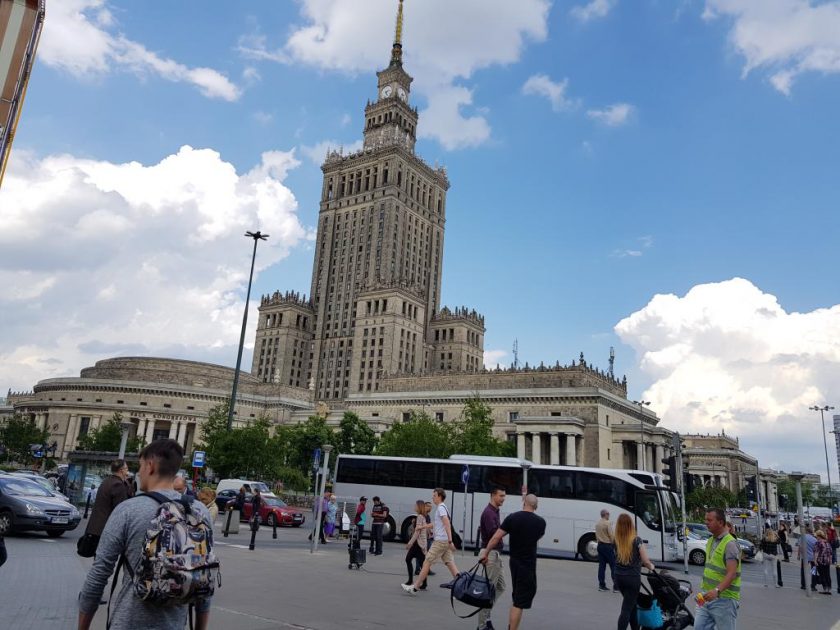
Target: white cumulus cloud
787,38
492,358
612,116
727,356
80,37
98,258
592,10
445,43
554,91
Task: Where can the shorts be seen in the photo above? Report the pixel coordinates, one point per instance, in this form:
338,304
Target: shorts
439,551
523,577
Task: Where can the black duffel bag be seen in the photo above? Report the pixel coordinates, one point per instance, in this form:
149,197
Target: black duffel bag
474,590
86,545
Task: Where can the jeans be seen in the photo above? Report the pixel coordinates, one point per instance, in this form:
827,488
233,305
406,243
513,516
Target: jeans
769,566
376,533
718,614
606,556
629,586
415,554
496,575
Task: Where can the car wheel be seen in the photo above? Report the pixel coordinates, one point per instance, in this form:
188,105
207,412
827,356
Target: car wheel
588,547
5,522
390,532
407,529
698,556
55,533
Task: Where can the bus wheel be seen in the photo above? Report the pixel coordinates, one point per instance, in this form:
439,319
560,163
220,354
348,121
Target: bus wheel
390,533
588,547
407,529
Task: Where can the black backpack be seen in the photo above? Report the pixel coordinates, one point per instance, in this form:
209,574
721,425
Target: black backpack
474,590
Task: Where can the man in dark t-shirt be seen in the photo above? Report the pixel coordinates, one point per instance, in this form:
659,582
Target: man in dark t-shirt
525,529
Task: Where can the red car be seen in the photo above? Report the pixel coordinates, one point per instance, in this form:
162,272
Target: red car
273,509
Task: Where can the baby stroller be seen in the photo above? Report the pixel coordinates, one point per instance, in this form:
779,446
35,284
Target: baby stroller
670,594
358,556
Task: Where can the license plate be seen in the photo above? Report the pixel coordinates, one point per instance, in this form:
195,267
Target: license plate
60,520
298,518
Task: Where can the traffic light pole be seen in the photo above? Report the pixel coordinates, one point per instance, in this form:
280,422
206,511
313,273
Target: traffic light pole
684,536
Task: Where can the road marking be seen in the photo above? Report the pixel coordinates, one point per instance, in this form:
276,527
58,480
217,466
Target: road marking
231,545
282,624
49,540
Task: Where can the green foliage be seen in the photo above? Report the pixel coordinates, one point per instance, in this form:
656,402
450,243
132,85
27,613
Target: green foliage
292,479
786,490
107,437
474,433
16,434
304,438
699,499
419,437
355,436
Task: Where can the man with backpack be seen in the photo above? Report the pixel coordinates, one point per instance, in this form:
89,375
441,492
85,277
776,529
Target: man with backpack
140,533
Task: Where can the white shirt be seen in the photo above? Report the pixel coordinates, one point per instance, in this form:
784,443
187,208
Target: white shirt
440,530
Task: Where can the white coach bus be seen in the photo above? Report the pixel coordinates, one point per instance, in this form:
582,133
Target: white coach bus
571,498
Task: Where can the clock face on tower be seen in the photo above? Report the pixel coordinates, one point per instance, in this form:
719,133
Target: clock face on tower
386,91
402,93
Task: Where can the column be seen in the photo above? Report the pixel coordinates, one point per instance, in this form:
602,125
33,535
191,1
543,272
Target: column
640,450
660,455
141,428
571,450
520,445
150,431
173,429
179,434
536,448
72,429
189,433
554,438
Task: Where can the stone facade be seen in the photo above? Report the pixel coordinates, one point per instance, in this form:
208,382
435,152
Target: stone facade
717,460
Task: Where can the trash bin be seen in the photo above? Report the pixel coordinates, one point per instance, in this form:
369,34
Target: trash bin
234,521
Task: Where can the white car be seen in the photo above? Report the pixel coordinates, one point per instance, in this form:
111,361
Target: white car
697,549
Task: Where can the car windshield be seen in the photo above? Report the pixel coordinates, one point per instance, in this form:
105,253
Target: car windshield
258,485
23,488
275,502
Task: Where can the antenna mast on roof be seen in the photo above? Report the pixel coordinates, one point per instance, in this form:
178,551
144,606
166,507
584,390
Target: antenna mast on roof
516,353
612,362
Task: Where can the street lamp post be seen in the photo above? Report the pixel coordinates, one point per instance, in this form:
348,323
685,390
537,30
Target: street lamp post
319,507
803,545
822,411
125,426
526,466
257,236
642,404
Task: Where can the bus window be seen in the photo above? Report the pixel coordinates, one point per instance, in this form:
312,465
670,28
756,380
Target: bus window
505,477
554,484
389,472
421,475
356,471
591,486
647,509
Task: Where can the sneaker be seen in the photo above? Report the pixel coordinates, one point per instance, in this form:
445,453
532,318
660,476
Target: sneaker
448,584
432,573
409,589
603,589
615,589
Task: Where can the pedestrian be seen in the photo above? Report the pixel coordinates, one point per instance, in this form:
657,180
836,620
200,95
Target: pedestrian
416,545
822,561
525,529
833,541
182,487
379,515
606,550
238,502
488,525
322,502
124,536
631,554
332,511
442,546
3,554
721,586
208,497
360,518
770,557
810,547
783,541
428,516
113,491
257,504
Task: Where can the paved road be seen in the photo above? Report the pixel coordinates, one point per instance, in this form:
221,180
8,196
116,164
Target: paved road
281,585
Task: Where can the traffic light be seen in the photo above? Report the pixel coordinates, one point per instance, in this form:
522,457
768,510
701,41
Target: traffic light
670,471
752,488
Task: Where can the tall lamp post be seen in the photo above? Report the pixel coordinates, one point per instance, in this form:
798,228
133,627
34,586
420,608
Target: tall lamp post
257,236
642,404
822,411
803,545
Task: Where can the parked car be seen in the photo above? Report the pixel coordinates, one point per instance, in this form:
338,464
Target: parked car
273,509
26,505
42,481
250,486
224,497
698,533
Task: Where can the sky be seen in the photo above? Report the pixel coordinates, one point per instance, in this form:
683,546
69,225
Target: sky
658,176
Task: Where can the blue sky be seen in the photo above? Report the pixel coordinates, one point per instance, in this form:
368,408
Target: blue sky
601,154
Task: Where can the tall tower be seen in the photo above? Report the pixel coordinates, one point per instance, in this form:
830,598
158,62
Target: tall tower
376,277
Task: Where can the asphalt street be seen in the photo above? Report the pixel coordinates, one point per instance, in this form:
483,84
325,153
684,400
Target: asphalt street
282,585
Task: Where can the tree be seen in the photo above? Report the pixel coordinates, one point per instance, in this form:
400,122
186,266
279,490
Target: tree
419,437
786,489
16,436
703,497
304,438
355,436
108,437
474,433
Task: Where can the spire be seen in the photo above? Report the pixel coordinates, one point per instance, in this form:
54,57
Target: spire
396,51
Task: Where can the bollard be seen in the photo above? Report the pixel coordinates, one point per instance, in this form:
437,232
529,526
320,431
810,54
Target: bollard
477,541
274,525
87,505
227,524
255,525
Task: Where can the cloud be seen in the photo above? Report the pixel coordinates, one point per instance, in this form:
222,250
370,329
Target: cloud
441,54
79,38
644,243
787,38
593,10
317,152
99,257
263,118
492,358
727,356
612,116
554,91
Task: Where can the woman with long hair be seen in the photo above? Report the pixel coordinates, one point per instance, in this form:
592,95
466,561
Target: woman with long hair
822,558
208,497
770,554
631,555
416,546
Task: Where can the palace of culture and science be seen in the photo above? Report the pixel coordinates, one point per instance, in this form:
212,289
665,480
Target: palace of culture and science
371,336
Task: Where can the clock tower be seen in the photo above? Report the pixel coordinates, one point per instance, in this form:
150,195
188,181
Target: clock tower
390,120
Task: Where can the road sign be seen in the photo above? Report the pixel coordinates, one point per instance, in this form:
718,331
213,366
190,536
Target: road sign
465,475
37,450
316,459
199,457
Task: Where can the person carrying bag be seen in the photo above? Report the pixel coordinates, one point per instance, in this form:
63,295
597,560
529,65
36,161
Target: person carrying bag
473,589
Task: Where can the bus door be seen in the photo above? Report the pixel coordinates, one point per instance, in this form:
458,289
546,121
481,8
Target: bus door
649,524
465,527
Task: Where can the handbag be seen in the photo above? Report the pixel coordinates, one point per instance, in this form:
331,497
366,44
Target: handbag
650,617
473,589
759,557
86,545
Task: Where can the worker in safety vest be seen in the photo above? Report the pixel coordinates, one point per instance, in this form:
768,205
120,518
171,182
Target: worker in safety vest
720,595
